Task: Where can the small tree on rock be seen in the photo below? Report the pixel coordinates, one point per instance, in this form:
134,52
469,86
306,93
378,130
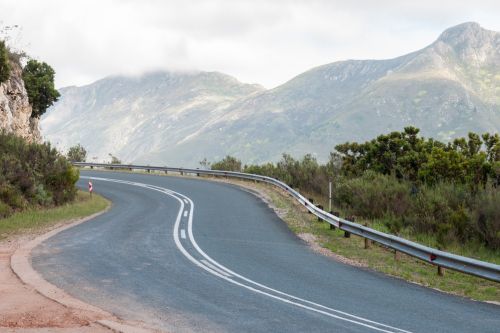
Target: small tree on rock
39,82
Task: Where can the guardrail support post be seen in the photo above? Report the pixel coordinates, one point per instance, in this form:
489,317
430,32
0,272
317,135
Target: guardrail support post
367,241
332,227
397,255
320,207
182,173
311,201
440,270
166,172
347,234
149,171
91,167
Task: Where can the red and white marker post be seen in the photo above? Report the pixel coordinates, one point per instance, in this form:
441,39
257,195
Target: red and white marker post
90,188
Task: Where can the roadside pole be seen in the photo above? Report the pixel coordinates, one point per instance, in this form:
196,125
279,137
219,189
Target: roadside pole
330,195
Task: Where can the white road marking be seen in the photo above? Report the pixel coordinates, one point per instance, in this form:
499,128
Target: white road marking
214,267
183,234
222,271
185,213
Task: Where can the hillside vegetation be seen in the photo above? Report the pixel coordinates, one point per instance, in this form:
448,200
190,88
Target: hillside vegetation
33,175
444,195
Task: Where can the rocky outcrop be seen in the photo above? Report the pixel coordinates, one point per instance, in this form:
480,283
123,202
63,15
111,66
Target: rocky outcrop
15,110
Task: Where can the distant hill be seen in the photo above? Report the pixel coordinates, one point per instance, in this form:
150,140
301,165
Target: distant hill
447,89
130,117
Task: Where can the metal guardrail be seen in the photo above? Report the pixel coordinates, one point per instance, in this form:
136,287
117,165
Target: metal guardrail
430,255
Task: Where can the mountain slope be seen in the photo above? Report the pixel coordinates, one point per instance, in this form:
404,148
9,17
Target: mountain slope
128,117
446,89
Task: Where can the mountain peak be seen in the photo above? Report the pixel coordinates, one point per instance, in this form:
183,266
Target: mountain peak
468,32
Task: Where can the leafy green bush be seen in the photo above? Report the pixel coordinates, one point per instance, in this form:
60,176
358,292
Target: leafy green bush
373,195
4,62
38,79
486,217
33,175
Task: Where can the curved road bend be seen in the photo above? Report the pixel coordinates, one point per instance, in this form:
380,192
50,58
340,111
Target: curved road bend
189,255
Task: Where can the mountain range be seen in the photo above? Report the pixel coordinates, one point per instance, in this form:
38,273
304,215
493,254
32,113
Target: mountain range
446,89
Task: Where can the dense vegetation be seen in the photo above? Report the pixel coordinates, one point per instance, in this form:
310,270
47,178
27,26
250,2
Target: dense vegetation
412,185
38,79
33,175
4,62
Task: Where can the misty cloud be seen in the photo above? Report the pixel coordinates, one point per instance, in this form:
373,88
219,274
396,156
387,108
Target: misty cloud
266,42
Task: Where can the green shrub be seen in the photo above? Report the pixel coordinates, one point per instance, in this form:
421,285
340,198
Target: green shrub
33,174
373,195
228,163
486,216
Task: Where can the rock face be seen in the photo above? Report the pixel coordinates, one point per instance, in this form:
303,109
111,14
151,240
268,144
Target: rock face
15,110
447,89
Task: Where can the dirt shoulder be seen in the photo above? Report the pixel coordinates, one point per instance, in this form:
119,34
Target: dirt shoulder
23,309
31,304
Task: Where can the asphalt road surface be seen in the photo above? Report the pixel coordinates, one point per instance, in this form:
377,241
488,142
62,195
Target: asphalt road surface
189,255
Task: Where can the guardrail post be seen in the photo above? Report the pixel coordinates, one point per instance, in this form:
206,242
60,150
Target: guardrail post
311,200
182,173
347,234
440,270
320,207
332,227
397,255
367,241
91,167
166,172
148,170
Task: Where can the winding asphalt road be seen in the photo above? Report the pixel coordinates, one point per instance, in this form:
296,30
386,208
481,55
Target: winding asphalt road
189,255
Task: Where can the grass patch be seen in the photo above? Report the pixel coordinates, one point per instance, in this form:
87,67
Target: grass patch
35,219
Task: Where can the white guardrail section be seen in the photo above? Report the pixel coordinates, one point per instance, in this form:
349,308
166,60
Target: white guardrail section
433,256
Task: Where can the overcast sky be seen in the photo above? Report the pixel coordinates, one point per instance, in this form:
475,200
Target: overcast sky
266,42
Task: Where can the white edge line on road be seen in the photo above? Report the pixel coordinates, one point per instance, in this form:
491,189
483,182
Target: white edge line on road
175,195
214,267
